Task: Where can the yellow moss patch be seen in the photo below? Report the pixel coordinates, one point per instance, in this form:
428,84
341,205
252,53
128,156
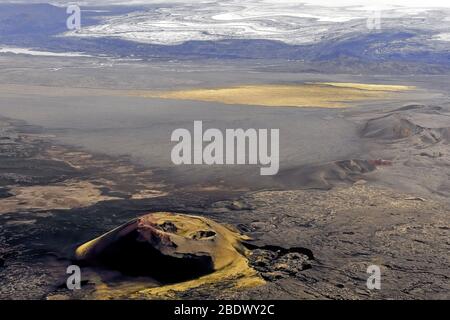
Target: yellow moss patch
325,95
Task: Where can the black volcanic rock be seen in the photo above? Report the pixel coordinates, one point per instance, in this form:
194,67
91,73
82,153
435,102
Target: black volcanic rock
4,193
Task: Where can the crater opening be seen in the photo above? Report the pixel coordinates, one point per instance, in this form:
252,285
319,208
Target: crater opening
134,257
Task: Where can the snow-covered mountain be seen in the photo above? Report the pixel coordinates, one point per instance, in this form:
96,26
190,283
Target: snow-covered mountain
344,32
291,22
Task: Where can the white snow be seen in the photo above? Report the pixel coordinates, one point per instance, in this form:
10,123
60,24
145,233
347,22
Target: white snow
41,53
442,37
